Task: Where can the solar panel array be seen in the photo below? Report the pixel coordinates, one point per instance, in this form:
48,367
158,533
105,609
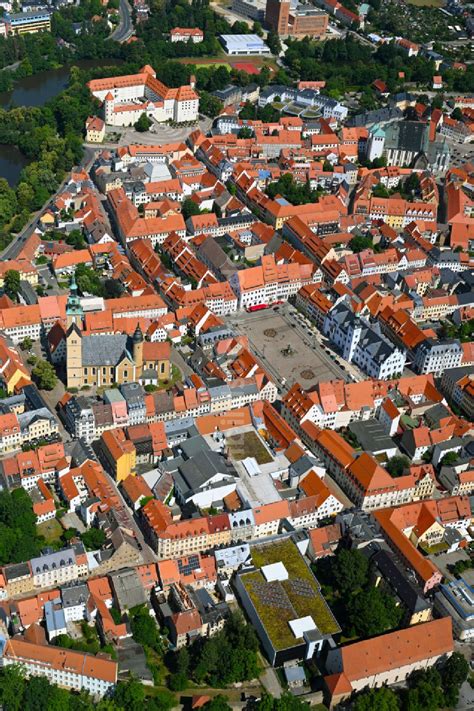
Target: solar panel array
272,594
301,587
191,564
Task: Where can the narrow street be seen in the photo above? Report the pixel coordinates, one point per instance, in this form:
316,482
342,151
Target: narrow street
16,245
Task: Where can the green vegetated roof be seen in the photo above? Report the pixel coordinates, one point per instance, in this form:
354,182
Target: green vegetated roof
248,444
278,603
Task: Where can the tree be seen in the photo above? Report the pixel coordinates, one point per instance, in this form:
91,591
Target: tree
12,685
287,702
372,612
93,539
113,289
26,344
247,112
456,114
411,185
183,661
382,699
397,465
360,242
425,693
229,656
12,284
449,459
178,682
217,703
453,674
44,375
130,695
144,629
209,105
75,239
189,208
350,570
273,42
143,124
245,132
380,191
88,281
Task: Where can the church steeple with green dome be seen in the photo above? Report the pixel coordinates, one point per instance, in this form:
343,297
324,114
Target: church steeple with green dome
74,311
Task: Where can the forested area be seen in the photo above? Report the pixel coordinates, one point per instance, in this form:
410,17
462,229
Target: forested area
346,64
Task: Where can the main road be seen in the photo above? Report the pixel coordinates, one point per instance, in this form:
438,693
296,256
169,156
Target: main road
124,30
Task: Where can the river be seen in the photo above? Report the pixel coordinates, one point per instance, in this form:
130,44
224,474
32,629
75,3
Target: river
12,162
36,91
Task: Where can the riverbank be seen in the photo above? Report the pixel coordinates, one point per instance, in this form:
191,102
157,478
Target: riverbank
39,88
36,91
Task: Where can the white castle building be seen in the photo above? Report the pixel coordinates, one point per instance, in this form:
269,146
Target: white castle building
126,98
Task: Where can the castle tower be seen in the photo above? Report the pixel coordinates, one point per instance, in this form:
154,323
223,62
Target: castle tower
137,351
74,311
74,357
109,108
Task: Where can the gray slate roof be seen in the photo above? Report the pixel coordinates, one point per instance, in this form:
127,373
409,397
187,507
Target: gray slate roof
104,349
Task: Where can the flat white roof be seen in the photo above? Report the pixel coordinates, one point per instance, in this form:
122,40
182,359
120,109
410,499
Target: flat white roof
274,571
244,42
251,466
302,625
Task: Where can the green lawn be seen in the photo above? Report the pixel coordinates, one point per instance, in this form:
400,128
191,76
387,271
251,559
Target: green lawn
50,530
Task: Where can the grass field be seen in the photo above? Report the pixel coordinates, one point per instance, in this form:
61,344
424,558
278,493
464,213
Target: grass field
204,62
236,59
50,530
426,3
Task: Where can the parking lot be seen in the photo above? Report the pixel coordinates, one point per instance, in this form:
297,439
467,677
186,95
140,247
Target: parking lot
290,353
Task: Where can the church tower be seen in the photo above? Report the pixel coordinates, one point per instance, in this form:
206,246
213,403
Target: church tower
74,312
74,357
137,351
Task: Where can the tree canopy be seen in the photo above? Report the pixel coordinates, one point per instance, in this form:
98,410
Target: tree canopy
44,375
227,657
397,465
18,539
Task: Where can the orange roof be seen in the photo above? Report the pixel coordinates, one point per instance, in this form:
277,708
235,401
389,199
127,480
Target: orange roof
207,424
363,660
391,522
62,659
116,443
369,475
157,514
321,538
336,446
136,488
271,512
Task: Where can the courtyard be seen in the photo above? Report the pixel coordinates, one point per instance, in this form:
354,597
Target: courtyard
289,353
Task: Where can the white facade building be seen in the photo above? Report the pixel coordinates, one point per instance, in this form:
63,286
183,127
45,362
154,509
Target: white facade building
126,98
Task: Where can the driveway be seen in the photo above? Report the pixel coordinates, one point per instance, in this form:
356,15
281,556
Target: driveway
271,682
466,698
